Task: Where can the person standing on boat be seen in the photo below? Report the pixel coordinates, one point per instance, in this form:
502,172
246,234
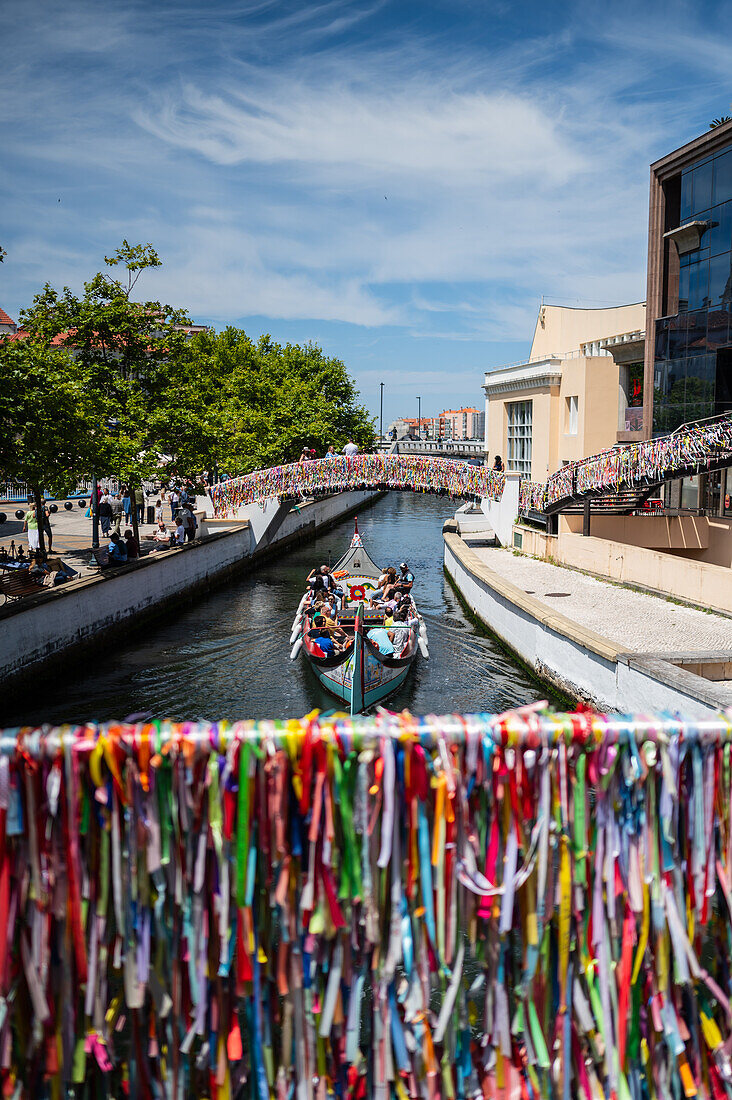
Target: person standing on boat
350,449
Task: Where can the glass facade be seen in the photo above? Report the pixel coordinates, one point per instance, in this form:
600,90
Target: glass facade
693,355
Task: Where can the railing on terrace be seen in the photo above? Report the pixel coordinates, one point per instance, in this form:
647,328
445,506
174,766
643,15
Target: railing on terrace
17,491
448,447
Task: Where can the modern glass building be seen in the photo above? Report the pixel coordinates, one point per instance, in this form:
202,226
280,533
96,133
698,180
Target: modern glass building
688,352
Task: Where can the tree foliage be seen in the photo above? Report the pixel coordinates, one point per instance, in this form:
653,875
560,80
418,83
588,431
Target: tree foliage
275,400
46,409
115,386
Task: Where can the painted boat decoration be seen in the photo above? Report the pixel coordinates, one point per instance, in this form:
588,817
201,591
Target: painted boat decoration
353,668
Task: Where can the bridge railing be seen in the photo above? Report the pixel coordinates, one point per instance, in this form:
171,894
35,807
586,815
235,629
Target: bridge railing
472,447
690,448
417,473
19,491
475,905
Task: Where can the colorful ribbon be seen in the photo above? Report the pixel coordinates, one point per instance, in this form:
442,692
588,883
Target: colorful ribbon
527,904
689,451
339,473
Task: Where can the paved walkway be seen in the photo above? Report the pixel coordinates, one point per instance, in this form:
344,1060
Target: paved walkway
633,620
72,535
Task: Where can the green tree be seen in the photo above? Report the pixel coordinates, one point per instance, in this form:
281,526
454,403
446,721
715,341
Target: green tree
125,350
47,413
274,400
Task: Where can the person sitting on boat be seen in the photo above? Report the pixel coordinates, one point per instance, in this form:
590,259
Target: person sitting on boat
399,634
320,578
380,637
330,641
406,613
386,583
327,612
406,579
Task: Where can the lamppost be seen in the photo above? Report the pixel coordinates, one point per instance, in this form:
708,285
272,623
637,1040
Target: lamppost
381,412
419,418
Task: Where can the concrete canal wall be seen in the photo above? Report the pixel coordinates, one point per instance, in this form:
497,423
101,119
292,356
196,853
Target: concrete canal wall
41,634
578,661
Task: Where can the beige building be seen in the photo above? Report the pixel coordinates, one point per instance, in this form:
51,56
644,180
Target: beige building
579,391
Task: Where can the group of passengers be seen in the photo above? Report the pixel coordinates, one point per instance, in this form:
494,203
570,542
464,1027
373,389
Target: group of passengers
392,598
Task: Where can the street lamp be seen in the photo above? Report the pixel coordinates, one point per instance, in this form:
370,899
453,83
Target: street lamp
419,418
381,412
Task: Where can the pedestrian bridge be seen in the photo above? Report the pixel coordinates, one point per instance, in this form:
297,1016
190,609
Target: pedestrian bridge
340,474
446,448
621,478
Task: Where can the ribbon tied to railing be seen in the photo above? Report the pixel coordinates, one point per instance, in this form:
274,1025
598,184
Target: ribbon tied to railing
518,905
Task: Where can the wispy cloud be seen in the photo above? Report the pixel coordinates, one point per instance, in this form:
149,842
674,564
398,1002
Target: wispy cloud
430,174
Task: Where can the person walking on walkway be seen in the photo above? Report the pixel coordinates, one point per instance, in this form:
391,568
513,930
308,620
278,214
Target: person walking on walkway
30,524
48,532
105,514
173,498
140,504
127,504
116,504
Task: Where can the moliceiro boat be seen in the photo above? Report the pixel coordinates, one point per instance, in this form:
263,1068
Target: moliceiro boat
360,638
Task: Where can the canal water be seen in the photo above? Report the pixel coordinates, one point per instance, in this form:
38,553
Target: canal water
228,656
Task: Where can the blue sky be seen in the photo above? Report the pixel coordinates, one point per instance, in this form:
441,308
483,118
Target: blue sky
400,182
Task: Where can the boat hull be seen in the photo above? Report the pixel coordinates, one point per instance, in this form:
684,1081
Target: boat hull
378,682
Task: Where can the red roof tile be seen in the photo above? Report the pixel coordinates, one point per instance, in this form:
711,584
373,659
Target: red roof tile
4,319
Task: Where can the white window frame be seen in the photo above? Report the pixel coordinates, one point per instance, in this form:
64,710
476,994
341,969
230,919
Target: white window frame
571,423
519,432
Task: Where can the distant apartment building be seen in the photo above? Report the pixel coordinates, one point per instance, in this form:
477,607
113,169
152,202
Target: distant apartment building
467,423
457,424
579,391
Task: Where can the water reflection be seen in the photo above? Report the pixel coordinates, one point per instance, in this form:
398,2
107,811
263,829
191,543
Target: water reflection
228,656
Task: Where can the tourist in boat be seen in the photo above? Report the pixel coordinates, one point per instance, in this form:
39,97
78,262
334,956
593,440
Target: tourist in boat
386,582
405,581
498,464
330,641
380,637
350,449
399,635
321,578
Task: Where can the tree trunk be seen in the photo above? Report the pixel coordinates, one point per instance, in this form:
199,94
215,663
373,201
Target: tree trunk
38,501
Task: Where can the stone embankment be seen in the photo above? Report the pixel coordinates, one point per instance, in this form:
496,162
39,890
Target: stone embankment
615,648
41,634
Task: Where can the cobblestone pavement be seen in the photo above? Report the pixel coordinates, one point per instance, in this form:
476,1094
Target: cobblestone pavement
633,620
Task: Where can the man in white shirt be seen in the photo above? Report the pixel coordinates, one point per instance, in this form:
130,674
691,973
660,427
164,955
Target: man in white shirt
350,449
180,532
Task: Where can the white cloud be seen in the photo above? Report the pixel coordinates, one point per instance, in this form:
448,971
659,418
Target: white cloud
282,168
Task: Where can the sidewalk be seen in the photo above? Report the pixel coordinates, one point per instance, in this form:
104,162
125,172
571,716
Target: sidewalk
72,535
635,621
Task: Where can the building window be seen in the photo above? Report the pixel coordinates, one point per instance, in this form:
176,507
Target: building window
570,415
518,437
